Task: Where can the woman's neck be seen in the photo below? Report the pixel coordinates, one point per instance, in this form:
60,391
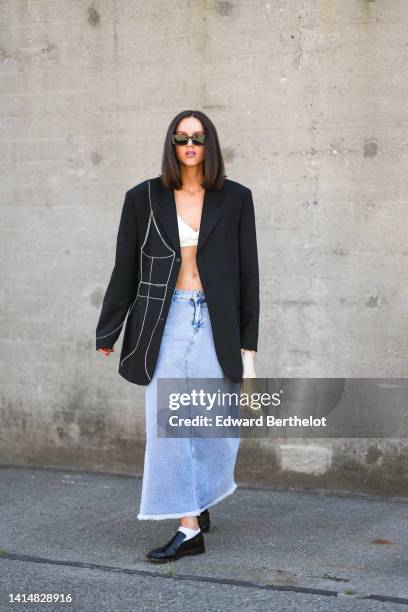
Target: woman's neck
192,178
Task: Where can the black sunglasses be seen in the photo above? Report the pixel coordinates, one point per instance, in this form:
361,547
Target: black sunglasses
182,139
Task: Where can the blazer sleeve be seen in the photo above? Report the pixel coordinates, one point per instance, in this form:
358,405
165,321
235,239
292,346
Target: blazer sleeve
123,283
249,276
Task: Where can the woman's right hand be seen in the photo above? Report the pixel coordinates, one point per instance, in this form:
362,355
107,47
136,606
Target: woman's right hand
106,351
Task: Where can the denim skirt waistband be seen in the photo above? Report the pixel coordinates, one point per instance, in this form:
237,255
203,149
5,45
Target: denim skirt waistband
188,295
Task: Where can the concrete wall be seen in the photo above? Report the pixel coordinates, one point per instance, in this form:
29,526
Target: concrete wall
309,98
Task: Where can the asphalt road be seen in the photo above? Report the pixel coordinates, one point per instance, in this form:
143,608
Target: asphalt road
76,533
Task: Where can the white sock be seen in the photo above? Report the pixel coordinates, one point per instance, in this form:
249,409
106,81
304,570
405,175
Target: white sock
190,533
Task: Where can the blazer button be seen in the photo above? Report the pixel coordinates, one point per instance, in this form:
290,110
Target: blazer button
162,319
178,259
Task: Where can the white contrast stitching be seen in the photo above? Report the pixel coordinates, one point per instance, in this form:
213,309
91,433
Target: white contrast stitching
112,332
127,314
151,216
157,256
138,295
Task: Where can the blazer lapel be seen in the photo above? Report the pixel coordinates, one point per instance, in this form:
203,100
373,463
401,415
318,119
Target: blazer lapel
165,212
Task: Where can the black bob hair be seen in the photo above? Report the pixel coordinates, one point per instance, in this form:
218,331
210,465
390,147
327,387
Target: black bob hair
213,163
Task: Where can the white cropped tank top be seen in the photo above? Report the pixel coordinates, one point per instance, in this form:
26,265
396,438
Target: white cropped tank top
188,236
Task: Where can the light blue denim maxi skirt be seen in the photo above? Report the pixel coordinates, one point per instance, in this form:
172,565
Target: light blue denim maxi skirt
183,476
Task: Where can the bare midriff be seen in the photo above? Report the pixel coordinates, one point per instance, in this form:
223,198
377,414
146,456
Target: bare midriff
189,277
189,207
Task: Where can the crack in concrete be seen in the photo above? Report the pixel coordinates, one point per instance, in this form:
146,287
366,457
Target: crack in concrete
197,578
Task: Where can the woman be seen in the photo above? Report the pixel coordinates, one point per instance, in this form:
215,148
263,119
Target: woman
186,281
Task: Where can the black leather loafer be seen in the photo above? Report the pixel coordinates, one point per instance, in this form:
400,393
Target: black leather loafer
176,548
204,521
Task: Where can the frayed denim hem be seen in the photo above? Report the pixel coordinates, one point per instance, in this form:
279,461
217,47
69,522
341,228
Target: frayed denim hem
191,513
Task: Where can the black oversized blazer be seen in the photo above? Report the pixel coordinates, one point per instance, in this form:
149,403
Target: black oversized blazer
147,264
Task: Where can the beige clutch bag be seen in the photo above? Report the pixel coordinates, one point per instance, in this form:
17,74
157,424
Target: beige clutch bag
248,386
248,365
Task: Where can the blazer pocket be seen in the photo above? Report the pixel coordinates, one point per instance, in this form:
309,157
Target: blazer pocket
155,269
